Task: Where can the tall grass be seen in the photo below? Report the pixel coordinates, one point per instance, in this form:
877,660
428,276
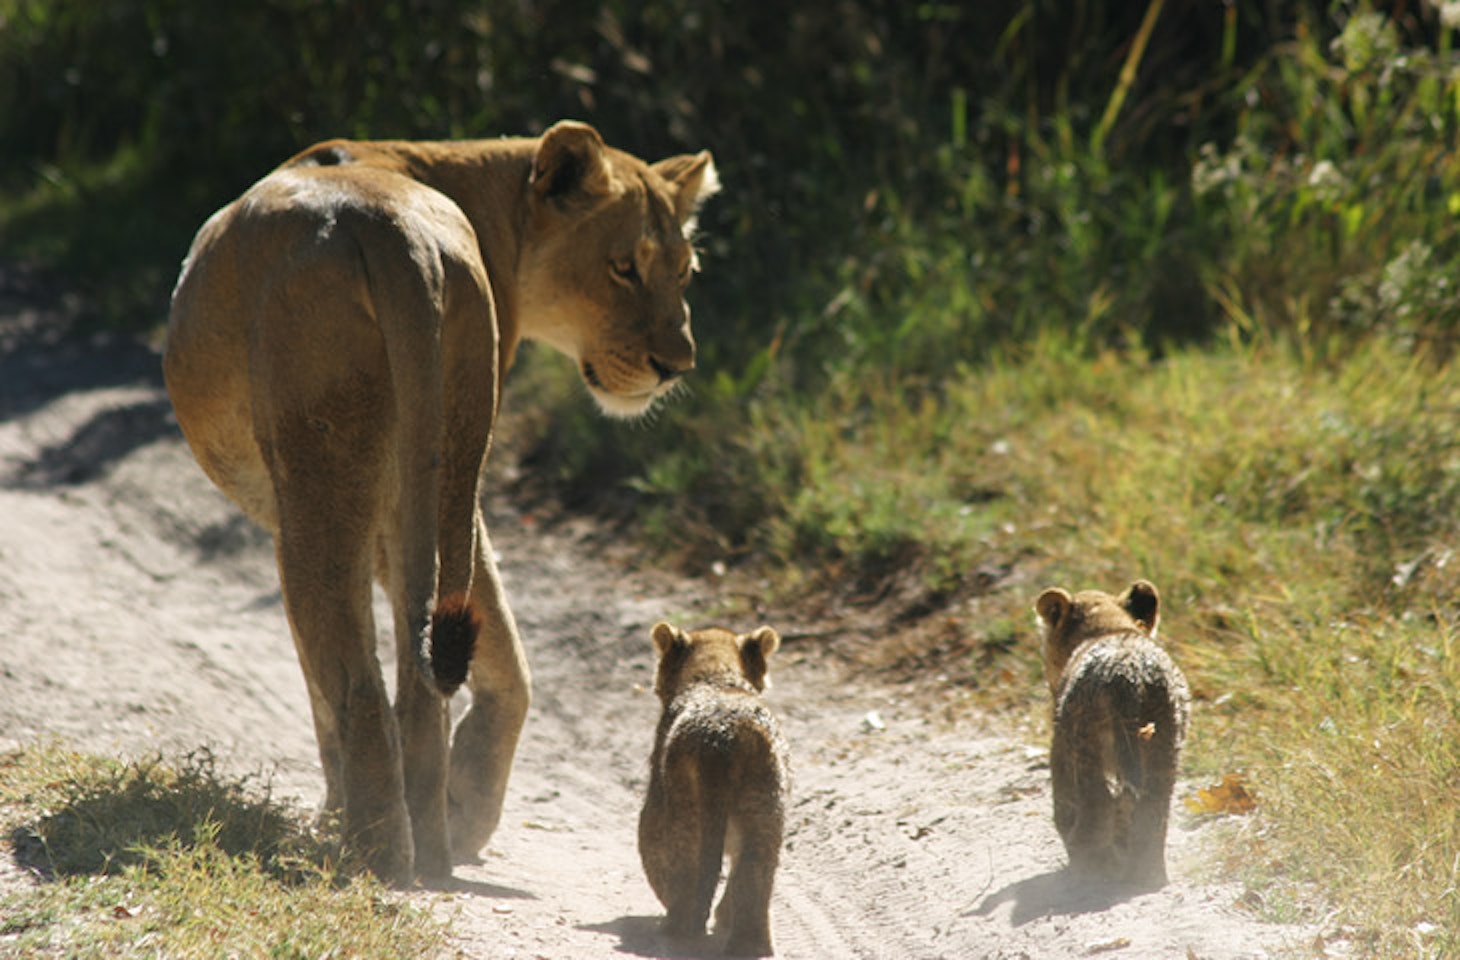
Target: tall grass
1320,228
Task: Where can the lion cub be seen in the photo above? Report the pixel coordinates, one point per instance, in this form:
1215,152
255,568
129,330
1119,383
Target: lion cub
1120,713
719,778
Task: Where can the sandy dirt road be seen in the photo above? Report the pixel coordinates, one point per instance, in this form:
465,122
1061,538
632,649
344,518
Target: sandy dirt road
139,612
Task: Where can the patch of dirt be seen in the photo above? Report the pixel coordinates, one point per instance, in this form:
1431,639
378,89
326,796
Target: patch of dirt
139,612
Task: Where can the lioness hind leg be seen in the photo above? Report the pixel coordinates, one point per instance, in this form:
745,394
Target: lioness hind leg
486,737
424,719
331,629
321,438
331,757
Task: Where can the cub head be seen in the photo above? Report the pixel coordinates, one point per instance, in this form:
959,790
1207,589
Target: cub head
711,655
606,258
1069,620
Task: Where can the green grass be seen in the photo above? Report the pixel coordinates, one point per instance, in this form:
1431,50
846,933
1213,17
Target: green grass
153,859
1299,519
1239,383
1018,318
1297,505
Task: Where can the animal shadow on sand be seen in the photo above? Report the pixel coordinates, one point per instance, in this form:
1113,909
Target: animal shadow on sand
1061,892
43,358
641,936
91,450
476,888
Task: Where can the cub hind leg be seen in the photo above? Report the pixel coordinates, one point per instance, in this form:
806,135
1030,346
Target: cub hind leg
754,846
1150,816
672,847
1084,810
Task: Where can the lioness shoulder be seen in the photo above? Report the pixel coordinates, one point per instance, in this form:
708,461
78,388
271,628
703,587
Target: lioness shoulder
719,778
1121,708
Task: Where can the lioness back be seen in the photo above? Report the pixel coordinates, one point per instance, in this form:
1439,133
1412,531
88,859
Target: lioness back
336,349
719,778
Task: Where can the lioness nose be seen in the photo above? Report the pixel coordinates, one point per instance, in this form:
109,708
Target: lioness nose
665,371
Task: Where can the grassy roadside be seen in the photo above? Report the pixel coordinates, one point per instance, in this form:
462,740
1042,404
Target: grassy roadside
1297,503
1212,348
1299,519
1238,382
175,860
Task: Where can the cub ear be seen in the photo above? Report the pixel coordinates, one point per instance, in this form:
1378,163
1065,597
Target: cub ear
1143,603
755,647
666,636
1052,607
570,160
694,179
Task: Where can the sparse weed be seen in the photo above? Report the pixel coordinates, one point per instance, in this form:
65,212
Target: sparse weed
151,859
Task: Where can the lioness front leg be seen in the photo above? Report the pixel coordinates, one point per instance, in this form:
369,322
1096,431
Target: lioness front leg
486,738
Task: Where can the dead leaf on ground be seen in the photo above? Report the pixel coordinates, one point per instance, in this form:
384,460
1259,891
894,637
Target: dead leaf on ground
1229,796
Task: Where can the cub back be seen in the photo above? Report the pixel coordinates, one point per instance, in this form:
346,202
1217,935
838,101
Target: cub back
719,779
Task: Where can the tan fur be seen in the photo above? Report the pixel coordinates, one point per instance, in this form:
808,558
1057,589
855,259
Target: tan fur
1121,708
338,339
719,779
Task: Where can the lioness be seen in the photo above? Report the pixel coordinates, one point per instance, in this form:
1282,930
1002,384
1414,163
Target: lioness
338,341
719,778
1120,714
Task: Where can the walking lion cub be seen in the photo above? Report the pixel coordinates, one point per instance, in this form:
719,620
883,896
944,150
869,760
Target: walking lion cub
1121,707
719,778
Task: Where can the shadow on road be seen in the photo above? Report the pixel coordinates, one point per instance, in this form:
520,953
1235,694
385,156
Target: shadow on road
1055,893
639,936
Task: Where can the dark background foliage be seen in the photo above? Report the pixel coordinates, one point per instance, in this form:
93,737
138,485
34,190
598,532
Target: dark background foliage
908,185
155,112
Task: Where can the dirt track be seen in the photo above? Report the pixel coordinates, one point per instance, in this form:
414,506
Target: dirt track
139,612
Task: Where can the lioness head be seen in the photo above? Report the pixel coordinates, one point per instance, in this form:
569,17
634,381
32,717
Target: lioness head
711,655
606,260
1069,620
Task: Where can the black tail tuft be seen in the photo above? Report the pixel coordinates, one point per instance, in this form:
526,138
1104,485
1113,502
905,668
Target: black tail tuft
454,629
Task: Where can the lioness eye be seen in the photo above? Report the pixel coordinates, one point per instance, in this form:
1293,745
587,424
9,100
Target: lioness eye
624,271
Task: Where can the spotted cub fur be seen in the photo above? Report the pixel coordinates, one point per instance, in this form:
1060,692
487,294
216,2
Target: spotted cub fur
719,778
1121,707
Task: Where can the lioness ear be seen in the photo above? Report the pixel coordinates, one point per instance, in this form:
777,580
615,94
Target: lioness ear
666,636
1143,603
1052,606
570,159
694,179
754,649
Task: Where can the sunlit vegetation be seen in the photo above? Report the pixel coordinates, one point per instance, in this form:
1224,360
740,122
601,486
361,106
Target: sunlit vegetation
997,294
